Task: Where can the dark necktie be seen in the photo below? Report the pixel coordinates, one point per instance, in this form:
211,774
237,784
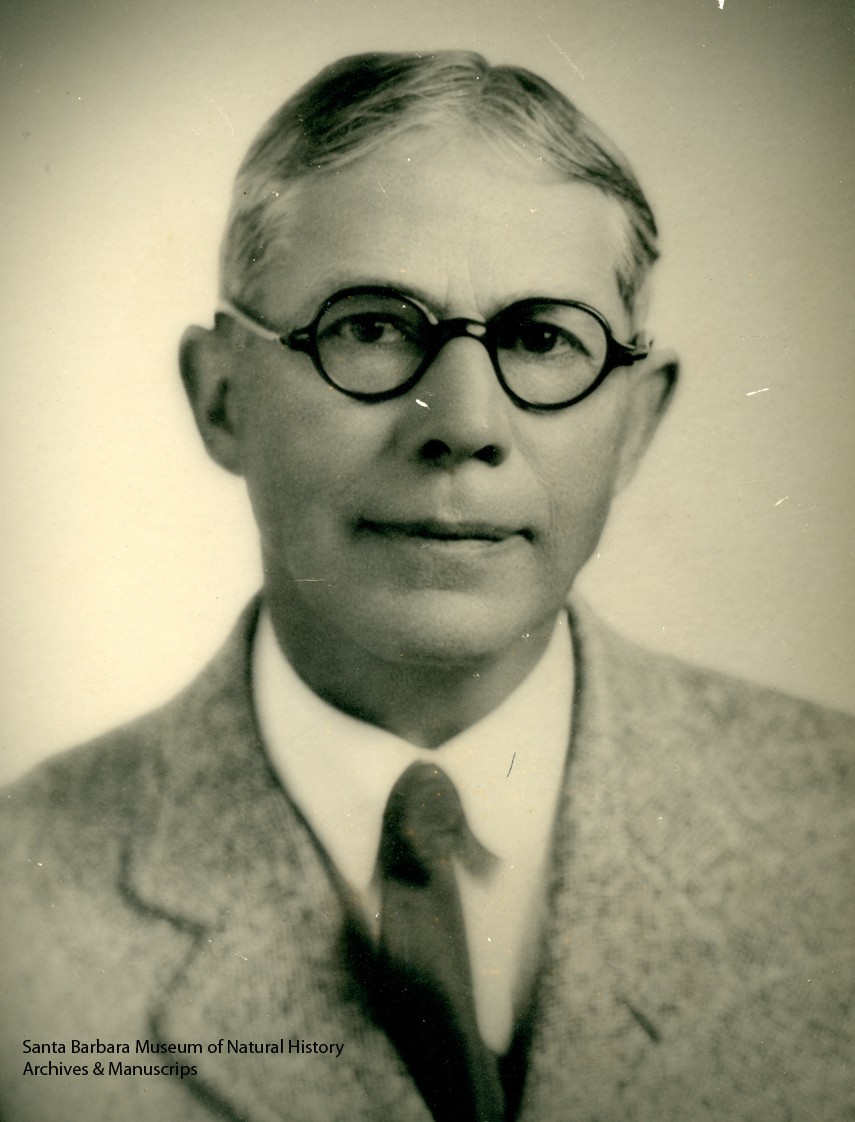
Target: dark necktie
424,979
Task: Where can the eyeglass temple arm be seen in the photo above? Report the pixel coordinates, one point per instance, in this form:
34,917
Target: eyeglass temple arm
626,354
227,308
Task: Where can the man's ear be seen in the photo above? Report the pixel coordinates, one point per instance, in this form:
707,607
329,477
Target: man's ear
651,387
207,366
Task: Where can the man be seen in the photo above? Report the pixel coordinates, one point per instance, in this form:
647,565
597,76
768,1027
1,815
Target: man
420,841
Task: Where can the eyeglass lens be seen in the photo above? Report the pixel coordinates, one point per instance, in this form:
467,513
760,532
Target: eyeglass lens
371,343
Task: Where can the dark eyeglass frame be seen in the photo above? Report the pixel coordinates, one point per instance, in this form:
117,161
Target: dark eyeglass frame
303,340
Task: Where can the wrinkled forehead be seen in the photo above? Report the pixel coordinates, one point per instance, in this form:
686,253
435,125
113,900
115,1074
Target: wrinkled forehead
446,215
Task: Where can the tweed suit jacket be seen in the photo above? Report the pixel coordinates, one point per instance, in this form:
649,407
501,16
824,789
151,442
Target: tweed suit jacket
697,951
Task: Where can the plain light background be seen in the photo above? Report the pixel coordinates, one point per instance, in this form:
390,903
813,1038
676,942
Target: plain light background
126,555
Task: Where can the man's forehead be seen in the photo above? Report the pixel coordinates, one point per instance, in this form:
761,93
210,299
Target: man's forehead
455,221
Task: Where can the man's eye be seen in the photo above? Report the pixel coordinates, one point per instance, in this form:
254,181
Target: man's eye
542,339
370,329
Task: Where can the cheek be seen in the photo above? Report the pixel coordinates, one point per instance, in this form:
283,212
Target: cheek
578,476
578,512
305,452
281,464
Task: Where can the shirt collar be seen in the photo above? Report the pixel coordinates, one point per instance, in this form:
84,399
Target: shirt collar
340,770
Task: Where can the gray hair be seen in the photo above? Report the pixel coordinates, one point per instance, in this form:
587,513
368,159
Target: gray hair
358,103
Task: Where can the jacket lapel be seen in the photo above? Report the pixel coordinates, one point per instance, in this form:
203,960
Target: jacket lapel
630,964
231,863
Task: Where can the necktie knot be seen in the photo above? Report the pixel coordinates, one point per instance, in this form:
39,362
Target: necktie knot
424,825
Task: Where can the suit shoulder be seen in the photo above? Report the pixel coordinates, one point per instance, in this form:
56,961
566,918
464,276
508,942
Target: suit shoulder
99,776
738,796
100,792
70,817
756,733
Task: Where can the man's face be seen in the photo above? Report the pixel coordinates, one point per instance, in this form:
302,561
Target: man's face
444,525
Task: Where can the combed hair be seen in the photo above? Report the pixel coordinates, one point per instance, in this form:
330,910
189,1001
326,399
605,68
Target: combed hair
359,103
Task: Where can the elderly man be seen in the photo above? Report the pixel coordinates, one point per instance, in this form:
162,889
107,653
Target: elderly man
423,840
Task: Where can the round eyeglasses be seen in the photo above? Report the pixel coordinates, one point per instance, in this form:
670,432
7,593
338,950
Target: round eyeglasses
374,344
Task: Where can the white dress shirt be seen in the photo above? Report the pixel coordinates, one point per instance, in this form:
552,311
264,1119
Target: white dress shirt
507,769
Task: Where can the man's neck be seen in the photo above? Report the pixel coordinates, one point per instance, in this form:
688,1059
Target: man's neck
425,703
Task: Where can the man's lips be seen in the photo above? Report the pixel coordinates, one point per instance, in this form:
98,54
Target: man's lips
431,529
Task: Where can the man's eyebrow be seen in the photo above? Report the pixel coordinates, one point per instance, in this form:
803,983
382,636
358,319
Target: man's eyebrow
339,282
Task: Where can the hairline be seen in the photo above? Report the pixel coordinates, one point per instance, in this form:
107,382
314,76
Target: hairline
283,213
281,163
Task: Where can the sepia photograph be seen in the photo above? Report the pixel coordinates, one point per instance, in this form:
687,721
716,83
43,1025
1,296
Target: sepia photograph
428,664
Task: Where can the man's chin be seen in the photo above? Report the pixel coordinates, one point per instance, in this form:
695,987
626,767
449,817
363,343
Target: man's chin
447,630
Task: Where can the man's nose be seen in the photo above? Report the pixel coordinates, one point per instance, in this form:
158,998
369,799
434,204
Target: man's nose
458,411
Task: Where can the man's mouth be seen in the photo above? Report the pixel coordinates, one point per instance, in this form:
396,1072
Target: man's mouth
438,530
